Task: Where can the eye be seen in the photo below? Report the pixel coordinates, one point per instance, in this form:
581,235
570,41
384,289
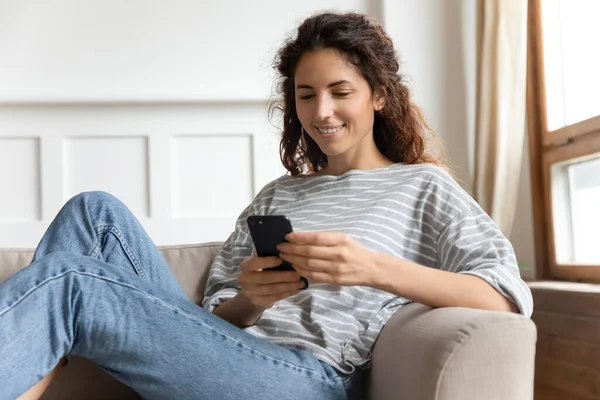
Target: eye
342,94
306,97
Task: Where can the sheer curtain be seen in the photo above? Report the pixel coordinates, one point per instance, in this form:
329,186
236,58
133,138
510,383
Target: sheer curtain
501,106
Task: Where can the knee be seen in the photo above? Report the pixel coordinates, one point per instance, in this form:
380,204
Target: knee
95,199
95,196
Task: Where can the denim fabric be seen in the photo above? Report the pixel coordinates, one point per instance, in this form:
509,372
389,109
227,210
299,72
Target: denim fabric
98,288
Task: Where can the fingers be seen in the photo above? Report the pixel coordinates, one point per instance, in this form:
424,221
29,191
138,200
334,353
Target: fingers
268,277
253,272
274,289
309,264
263,287
284,295
259,263
318,238
318,252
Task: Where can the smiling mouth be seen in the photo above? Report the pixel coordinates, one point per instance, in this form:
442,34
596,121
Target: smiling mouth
330,131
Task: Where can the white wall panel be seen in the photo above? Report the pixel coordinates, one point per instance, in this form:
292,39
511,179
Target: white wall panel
19,179
146,49
186,170
118,165
212,175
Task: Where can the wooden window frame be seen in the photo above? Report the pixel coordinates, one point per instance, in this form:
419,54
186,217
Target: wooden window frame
547,148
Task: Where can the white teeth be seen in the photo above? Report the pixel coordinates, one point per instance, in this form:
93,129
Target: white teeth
332,130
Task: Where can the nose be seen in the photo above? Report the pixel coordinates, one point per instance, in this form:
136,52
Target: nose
324,108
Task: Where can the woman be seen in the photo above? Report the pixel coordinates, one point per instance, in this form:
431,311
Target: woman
378,224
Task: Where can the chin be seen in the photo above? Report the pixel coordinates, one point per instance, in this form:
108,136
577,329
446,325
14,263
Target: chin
332,151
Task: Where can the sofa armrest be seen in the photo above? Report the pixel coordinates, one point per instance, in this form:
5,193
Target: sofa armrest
453,353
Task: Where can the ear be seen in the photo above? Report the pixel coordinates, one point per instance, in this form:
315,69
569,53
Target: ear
378,101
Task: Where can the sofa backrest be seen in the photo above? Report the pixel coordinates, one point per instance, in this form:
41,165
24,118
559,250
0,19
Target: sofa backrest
190,264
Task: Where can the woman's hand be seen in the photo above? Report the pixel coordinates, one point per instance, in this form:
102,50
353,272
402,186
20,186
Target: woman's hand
329,257
264,288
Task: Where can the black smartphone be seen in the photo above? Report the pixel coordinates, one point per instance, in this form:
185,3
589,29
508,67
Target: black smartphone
267,232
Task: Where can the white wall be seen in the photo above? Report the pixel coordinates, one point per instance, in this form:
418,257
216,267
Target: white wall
437,43
145,72
111,50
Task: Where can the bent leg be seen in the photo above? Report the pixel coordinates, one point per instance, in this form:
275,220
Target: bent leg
99,225
158,343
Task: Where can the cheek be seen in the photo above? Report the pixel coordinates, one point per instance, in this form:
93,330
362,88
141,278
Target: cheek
359,116
303,112
367,115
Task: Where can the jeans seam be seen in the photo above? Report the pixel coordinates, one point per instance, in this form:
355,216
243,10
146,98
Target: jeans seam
115,231
191,317
22,296
168,306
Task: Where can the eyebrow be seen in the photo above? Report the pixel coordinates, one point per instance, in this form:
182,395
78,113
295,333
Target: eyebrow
330,85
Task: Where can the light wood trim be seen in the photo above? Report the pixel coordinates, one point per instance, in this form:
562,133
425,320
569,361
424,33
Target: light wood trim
581,329
580,147
535,63
565,300
584,139
579,273
572,131
537,124
550,245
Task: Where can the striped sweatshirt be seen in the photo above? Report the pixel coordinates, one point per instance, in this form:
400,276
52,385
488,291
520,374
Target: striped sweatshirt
413,212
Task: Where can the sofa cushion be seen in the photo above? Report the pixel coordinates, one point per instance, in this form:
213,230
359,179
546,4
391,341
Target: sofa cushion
12,260
190,264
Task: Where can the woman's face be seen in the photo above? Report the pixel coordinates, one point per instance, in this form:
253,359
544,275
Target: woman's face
335,106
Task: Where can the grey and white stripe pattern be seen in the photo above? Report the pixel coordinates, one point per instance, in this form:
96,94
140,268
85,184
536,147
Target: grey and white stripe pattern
413,212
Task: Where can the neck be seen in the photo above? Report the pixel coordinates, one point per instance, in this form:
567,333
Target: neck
364,156
334,168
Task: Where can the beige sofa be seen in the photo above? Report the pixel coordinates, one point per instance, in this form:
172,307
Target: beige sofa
422,354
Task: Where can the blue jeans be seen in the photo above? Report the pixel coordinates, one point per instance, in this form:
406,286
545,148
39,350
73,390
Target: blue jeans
98,288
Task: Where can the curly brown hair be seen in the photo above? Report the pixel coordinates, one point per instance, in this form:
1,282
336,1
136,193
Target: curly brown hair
399,129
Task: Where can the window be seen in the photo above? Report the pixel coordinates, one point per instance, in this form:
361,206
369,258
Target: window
563,93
